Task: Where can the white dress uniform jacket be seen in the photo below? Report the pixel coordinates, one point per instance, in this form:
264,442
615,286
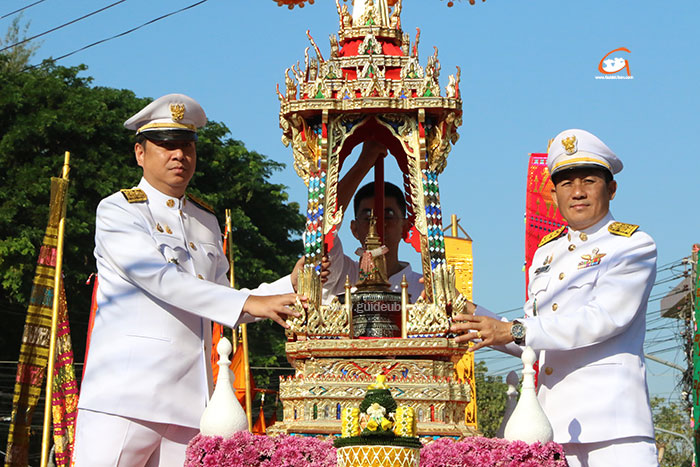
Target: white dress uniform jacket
162,280
586,316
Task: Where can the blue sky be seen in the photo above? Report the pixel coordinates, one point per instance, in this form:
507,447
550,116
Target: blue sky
528,72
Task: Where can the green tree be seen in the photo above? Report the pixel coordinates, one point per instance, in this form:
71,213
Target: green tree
52,109
490,400
16,58
671,416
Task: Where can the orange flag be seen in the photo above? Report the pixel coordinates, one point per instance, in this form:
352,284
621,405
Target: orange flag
259,427
239,376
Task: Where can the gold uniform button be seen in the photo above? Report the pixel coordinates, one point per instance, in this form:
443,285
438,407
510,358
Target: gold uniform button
572,247
583,236
548,370
192,246
199,276
561,276
554,307
568,237
170,203
167,229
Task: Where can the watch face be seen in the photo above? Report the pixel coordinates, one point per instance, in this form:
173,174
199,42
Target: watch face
517,331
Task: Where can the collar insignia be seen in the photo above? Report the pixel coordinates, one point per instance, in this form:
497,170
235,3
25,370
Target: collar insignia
622,229
570,145
591,260
177,112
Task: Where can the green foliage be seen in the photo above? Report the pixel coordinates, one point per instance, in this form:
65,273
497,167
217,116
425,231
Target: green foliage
45,112
490,400
15,59
52,109
671,416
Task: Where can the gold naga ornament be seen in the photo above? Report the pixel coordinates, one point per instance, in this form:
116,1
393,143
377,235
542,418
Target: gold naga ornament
373,86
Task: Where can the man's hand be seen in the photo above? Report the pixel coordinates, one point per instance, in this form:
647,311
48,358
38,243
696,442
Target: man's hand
274,307
490,331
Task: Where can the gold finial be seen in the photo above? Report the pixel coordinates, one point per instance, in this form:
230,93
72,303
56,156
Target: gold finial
373,273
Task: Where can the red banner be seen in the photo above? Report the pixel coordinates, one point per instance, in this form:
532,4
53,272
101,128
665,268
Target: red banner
541,213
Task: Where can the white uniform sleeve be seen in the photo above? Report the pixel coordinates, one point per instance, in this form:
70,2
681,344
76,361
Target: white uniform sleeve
619,294
127,246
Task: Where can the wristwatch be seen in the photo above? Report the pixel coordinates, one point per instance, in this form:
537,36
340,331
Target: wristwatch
517,331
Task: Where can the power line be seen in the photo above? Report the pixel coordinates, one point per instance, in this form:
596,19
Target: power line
61,26
21,9
53,60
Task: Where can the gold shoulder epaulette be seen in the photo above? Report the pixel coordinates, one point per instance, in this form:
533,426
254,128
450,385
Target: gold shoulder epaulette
134,195
552,236
202,204
620,228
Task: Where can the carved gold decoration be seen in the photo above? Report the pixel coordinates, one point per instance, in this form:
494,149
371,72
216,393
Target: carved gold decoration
427,319
441,347
365,367
440,139
445,288
330,321
306,153
333,216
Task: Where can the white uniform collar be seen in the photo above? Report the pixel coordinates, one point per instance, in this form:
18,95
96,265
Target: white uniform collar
160,199
595,228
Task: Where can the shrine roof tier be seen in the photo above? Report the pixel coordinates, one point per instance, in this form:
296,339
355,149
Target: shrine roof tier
373,67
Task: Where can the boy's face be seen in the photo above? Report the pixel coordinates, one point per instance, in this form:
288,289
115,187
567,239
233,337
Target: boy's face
395,223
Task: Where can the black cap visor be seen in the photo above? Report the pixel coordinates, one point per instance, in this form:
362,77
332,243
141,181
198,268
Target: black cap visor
169,135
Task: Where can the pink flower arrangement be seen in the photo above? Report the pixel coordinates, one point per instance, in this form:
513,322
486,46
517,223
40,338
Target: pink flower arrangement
248,450
492,452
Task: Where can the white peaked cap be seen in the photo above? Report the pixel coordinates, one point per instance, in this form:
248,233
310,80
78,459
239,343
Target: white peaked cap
170,112
579,148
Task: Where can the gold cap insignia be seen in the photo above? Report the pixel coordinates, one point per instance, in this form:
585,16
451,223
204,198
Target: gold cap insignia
569,145
177,112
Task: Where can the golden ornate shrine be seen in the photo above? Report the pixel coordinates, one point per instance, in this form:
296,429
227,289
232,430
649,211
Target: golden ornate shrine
373,87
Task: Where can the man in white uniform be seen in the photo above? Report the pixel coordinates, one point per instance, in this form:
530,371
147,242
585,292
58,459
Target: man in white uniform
585,314
395,226
162,280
